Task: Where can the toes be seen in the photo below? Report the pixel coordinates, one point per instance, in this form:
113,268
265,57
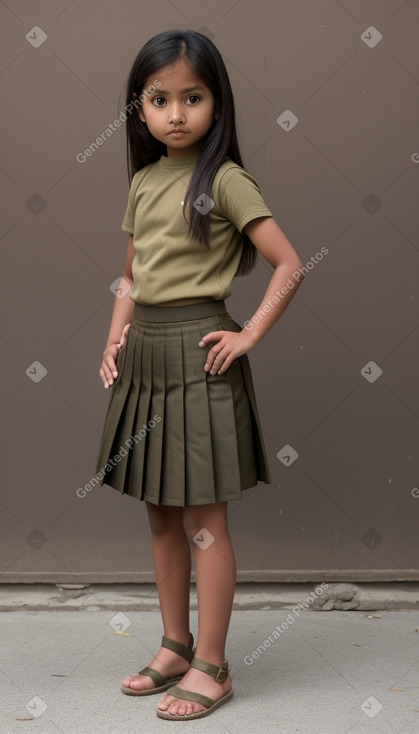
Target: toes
139,684
165,702
179,706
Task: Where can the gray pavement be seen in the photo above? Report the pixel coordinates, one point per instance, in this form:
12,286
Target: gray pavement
294,670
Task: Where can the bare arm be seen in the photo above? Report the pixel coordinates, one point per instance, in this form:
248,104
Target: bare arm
271,242
121,319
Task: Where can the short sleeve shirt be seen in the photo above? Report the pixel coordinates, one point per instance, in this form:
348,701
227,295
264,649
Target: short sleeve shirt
170,265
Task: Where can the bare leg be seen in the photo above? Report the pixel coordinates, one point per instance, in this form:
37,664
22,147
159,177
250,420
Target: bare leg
216,578
172,565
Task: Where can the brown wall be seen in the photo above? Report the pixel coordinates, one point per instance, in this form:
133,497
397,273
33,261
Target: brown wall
345,178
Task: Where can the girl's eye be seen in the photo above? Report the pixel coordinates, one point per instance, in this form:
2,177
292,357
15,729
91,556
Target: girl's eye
162,99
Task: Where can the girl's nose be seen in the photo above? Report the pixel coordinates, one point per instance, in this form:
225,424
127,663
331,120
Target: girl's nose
176,114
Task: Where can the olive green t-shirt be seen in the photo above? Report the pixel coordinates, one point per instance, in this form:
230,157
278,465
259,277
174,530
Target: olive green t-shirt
170,267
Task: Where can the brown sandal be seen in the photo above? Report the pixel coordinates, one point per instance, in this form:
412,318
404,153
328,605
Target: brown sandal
219,673
161,683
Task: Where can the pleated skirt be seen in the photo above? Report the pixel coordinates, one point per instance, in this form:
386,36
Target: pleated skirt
174,434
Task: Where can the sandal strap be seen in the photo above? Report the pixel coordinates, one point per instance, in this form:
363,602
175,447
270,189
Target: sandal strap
191,696
155,676
219,672
178,647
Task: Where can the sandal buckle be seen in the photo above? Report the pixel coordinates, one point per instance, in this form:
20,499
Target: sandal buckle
222,673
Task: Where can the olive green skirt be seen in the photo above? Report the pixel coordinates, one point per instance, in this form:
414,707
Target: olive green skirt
174,434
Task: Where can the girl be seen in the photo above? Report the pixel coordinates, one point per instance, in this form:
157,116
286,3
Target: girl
182,430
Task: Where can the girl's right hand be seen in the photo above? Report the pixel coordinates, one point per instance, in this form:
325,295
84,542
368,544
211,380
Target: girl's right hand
108,370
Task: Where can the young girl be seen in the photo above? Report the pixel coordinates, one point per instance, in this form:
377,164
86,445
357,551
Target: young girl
182,430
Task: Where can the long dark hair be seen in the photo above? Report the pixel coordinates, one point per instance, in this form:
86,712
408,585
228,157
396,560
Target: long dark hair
219,143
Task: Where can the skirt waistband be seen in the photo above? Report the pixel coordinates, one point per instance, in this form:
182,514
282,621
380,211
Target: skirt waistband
191,311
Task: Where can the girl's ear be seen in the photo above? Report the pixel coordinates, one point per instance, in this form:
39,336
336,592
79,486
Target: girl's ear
140,109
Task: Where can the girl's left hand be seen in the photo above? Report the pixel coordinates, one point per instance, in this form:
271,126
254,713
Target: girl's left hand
230,344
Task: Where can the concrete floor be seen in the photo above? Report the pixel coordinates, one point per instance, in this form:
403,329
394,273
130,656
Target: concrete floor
343,672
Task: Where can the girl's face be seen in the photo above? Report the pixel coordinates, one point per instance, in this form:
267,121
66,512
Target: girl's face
182,102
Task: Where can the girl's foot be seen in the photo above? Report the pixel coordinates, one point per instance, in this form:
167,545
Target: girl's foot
199,682
167,662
